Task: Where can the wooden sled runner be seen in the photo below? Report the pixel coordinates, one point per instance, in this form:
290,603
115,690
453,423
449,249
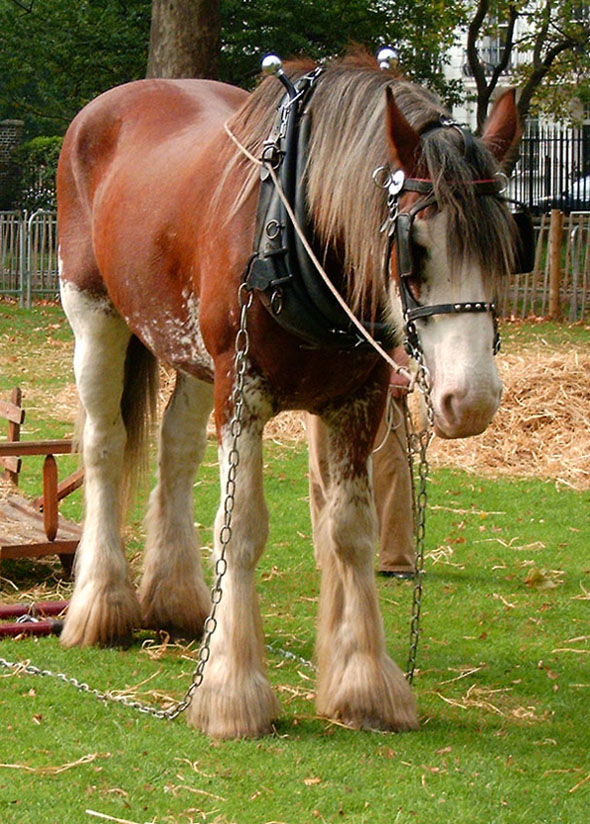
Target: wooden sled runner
32,529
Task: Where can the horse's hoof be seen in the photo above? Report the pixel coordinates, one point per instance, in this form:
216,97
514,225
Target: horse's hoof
180,610
368,695
103,617
233,708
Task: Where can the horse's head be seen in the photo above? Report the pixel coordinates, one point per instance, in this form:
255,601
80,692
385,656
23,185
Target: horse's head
452,237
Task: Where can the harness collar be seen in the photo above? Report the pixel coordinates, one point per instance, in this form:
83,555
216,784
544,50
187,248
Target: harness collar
280,269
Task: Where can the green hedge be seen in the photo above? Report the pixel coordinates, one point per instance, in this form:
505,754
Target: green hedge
37,163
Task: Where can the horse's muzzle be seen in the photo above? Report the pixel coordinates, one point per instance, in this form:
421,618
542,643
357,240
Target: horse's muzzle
461,414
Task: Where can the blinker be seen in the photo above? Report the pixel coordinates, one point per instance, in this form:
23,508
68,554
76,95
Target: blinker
525,248
405,257
400,232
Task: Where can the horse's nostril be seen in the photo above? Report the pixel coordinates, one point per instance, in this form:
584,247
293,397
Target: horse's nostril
450,406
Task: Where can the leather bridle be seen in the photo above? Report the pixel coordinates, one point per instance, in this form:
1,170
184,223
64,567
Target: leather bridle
281,271
400,225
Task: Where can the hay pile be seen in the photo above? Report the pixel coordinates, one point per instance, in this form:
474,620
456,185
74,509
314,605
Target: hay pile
542,428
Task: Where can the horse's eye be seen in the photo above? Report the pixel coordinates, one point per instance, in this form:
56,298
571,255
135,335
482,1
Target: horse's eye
421,255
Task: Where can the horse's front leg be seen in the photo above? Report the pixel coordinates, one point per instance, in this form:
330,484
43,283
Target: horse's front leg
357,681
235,698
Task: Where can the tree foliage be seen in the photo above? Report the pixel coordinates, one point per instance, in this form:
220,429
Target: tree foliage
36,161
545,43
420,31
56,55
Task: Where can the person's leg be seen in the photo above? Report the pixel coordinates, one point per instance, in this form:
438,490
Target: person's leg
392,486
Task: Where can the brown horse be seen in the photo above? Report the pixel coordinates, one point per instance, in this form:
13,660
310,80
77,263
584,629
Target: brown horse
157,214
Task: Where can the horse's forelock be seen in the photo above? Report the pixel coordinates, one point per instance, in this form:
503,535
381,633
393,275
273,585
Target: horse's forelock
348,143
479,227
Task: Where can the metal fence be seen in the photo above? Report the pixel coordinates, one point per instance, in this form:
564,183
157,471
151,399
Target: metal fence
553,169
28,265
524,295
28,255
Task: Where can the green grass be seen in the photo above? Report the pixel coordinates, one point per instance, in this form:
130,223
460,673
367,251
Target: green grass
502,683
518,335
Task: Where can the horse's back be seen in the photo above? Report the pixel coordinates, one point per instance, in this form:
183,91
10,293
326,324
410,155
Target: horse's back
137,121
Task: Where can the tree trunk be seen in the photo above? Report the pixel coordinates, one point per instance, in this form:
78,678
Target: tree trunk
184,38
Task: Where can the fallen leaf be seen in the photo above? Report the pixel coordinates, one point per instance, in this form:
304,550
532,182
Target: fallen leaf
542,578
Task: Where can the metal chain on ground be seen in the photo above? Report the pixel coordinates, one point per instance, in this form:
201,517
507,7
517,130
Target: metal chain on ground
82,686
418,443
242,347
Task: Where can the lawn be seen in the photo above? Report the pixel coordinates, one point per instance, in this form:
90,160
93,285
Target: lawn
502,684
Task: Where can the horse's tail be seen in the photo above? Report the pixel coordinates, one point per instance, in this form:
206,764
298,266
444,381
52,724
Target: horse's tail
138,409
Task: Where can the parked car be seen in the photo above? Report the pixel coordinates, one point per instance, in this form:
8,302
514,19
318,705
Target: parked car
576,198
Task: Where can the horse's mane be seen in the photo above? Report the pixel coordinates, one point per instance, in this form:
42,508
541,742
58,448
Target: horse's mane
348,142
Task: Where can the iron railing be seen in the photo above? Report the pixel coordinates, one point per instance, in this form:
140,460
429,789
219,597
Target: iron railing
553,170
28,255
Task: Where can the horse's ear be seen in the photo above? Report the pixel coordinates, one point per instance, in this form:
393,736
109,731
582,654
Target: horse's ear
502,129
404,142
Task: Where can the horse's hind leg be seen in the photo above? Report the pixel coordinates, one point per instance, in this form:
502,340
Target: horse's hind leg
103,608
357,682
173,594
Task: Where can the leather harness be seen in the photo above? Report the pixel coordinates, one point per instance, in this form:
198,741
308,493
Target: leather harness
281,271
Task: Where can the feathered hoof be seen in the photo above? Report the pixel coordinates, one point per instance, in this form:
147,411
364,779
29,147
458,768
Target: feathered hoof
181,610
233,708
368,695
101,616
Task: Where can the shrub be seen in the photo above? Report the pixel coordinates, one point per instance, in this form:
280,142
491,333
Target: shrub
37,162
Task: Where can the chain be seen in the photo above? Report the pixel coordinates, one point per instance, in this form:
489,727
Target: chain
242,348
30,669
82,686
418,443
